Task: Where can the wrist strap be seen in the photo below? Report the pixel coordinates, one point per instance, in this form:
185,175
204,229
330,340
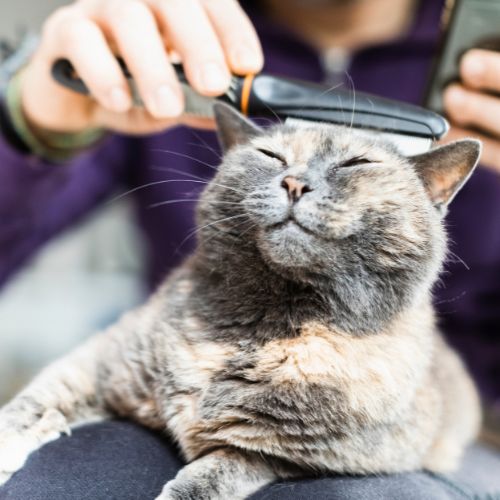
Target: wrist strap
54,146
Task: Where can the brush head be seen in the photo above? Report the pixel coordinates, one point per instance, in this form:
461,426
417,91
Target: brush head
411,129
202,106
407,145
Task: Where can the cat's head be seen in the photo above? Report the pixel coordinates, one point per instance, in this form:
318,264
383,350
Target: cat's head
332,202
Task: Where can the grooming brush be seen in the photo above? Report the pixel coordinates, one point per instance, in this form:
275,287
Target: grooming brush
411,129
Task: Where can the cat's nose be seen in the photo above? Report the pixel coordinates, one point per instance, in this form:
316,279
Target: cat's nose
294,187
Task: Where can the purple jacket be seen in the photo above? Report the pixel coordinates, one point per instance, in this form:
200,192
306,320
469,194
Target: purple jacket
38,200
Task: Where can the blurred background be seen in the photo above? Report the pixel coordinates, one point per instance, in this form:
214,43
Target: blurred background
79,282
24,14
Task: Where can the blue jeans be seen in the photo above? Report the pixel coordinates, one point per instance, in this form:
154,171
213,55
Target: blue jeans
121,461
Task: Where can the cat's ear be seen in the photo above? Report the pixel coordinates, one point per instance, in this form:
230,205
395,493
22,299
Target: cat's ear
232,127
444,170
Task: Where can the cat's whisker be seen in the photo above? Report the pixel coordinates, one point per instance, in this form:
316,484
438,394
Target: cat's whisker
266,122
144,186
206,145
344,119
235,226
183,155
321,94
200,179
458,259
351,81
328,90
167,181
449,301
185,200
198,229
240,236
228,187
280,121
218,221
177,171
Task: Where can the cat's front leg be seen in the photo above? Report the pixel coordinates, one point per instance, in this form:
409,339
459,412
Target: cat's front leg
224,474
64,393
18,441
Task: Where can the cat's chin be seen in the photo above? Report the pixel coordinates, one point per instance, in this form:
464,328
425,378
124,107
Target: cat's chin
289,245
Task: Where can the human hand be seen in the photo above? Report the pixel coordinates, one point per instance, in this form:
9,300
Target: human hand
214,38
475,103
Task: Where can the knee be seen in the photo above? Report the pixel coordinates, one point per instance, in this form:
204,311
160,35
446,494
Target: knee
96,463
410,486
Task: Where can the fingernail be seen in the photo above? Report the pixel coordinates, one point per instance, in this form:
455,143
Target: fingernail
166,103
245,58
119,100
473,66
214,78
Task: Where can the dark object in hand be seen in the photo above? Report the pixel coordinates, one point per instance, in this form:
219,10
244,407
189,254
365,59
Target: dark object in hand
468,24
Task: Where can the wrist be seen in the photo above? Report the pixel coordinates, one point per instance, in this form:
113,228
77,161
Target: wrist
52,145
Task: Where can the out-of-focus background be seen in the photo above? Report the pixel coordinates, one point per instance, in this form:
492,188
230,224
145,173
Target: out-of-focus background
77,284
16,15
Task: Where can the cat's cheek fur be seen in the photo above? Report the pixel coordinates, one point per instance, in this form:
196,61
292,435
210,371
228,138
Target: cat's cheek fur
267,207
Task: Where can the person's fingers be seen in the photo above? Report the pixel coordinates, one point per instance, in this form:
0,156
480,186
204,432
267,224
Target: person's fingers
198,122
139,121
134,29
469,108
81,40
236,34
480,69
191,34
490,155
456,133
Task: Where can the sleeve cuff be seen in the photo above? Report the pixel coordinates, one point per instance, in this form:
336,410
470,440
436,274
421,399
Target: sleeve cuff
54,146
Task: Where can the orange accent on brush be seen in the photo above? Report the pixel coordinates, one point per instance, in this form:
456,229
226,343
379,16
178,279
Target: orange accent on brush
245,93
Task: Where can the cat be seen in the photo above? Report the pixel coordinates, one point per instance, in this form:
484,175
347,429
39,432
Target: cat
299,338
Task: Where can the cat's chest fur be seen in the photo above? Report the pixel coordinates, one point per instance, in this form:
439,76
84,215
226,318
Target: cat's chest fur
321,382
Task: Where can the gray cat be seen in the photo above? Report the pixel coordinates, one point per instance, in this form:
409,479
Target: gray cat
299,338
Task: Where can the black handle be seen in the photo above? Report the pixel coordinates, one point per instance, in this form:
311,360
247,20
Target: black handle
64,73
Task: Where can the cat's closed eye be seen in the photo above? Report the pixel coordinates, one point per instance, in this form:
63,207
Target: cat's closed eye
273,155
353,162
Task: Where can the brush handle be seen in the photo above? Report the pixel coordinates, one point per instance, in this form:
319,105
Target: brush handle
64,73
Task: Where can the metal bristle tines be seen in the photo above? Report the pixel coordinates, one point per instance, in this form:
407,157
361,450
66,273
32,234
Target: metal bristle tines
202,106
195,104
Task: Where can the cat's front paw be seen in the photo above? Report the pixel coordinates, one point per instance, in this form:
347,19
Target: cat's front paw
14,450
17,444
166,494
169,492
181,490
